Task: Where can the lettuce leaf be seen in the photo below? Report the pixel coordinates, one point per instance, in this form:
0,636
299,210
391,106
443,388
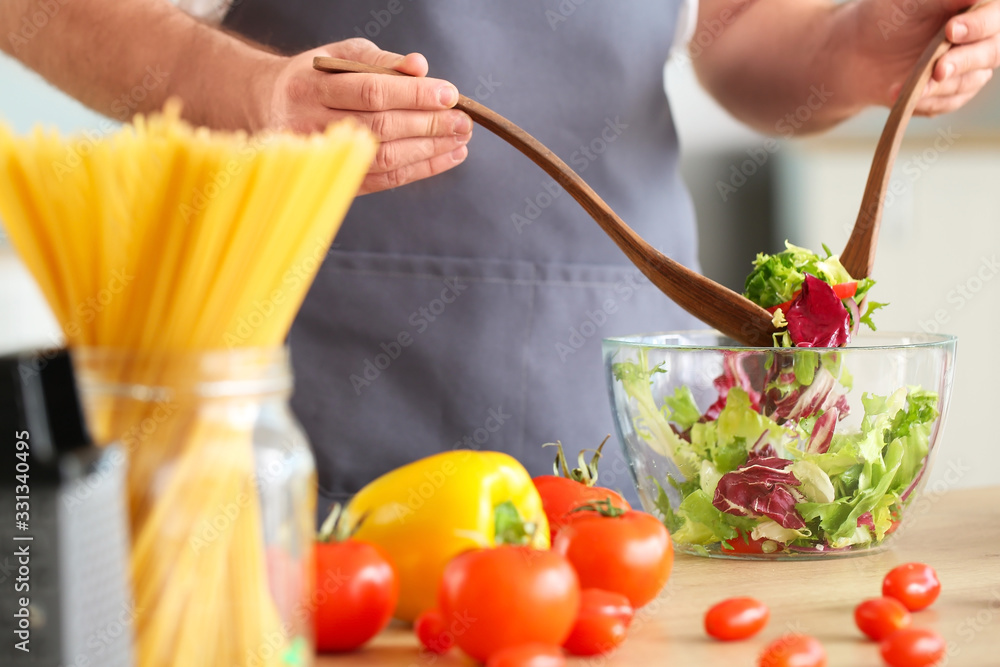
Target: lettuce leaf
683,410
776,278
866,317
706,523
798,280
653,424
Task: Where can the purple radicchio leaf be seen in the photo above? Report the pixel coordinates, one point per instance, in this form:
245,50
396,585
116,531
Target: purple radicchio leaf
817,317
822,433
825,393
733,375
761,487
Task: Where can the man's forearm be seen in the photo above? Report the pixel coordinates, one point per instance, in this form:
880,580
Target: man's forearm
768,59
130,56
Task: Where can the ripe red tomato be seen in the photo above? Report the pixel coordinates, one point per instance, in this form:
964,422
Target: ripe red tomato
631,554
913,647
602,623
507,596
916,585
561,495
356,592
744,544
432,631
793,651
528,655
880,617
736,618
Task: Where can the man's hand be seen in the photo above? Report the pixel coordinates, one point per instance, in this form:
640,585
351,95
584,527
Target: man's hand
892,40
226,83
761,59
420,134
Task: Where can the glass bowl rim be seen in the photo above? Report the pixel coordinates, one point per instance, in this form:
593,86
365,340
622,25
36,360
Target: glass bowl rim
643,340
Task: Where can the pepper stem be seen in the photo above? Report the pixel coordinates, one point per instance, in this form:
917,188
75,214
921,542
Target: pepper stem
509,527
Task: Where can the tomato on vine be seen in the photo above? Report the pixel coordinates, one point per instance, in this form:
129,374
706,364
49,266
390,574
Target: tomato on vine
566,489
508,596
624,551
346,615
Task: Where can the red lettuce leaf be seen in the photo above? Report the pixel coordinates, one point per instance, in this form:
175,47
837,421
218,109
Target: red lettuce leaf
733,375
822,433
787,399
759,450
761,487
817,318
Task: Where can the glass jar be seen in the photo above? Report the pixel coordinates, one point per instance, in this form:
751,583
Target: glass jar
221,495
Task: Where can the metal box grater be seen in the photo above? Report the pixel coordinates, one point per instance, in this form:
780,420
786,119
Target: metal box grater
80,611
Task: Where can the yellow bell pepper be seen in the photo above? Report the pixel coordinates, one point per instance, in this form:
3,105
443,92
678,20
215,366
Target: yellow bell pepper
426,512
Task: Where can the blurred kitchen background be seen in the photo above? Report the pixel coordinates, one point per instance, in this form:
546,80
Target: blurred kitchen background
937,261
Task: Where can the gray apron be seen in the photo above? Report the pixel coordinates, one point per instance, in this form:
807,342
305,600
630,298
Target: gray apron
467,310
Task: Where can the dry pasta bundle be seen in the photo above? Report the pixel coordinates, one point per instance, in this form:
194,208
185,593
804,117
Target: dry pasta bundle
157,242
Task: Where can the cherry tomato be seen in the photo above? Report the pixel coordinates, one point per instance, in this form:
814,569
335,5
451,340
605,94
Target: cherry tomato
880,617
845,290
356,592
602,623
528,655
744,544
432,631
507,596
895,517
916,585
793,651
736,618
913,647
561,495
631,554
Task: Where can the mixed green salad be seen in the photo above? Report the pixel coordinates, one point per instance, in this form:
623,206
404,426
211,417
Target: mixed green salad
768,466
768,470
815,302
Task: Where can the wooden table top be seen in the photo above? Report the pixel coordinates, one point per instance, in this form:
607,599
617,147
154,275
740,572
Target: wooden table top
957,533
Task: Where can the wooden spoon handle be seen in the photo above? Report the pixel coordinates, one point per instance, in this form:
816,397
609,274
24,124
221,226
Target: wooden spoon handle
859,253
729,312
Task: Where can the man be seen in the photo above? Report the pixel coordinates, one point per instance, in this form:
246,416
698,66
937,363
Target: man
467,309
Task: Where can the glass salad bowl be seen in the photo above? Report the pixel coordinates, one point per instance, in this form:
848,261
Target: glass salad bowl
779,453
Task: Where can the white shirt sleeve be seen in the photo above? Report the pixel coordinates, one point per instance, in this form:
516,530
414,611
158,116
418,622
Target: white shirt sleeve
687,21
212,11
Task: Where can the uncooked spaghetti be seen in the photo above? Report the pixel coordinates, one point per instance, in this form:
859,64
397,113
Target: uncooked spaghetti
162,239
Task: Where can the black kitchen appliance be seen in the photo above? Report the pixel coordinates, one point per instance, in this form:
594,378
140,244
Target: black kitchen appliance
64,594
